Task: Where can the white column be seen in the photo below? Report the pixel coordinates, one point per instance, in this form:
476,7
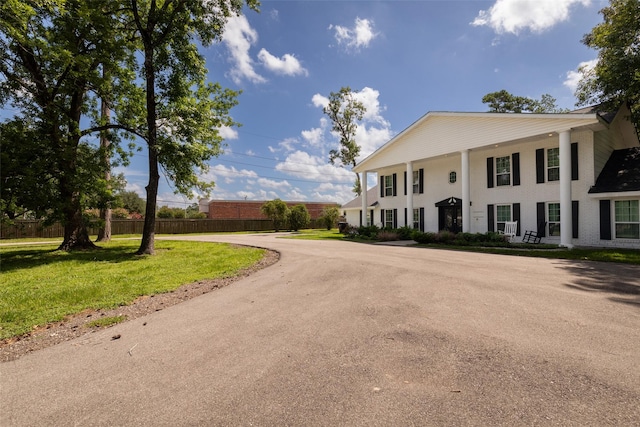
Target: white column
409,194
363,189
466,192
566,226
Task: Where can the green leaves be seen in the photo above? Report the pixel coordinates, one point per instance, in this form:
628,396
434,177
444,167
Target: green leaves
616,77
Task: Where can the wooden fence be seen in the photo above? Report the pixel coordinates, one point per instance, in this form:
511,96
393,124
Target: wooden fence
34,229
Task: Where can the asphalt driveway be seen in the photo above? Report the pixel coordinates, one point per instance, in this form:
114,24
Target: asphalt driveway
340,333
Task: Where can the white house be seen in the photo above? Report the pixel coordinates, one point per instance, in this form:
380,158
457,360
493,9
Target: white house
575,176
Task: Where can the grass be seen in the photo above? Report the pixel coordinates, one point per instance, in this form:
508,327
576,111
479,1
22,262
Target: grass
626,256
41,285
105,321
316,234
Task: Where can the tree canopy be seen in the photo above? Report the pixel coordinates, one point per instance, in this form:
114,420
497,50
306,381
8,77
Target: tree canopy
345,112
615,79
277,211
505,102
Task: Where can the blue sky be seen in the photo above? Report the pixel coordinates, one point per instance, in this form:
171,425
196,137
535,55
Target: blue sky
402,58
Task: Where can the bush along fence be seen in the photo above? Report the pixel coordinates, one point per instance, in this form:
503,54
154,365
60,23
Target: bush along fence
35,229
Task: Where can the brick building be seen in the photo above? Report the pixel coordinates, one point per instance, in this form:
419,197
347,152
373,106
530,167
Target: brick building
250,209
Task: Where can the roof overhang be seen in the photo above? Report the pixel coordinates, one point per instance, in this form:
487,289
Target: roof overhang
441,133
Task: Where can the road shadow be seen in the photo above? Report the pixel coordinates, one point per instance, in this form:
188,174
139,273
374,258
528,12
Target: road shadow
620,281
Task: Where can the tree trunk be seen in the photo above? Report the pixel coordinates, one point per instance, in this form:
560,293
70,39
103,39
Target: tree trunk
76,235
147,245
104,233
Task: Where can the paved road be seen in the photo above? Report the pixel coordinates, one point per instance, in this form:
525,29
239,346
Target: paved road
339,333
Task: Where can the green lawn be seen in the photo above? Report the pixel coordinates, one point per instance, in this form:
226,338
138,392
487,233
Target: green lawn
41,285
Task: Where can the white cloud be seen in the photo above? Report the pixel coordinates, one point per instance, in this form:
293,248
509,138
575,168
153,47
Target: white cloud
286,145
313,168
229,174
356,37
296,195
574,76
319,100
239,36
228,132
314,136
288,65
512,16
369,98
270,183
339,193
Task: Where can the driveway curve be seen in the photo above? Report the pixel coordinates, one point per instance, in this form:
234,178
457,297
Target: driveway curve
340,333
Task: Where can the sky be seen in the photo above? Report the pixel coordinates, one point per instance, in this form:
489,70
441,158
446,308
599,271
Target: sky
402,59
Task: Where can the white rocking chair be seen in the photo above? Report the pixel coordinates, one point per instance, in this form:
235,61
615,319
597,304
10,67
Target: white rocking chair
510,229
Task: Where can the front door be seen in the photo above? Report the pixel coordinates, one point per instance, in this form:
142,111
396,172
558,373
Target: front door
450,218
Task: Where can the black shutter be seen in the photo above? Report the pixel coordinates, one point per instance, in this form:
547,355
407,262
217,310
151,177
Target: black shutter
540,166
420,181
360,217
515,159
405,217
574,161
395,218
574,218
405,183
421,219
381,183
605,219
490,172
516,216
541,217
395,182
490,221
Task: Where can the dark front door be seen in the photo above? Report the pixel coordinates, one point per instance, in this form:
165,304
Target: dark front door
450,218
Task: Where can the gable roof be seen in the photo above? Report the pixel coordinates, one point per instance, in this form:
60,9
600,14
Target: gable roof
372,199
441,133
620,173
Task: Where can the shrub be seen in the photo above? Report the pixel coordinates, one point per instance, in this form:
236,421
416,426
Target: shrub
423,238
299,217
387,236
404,233
444,236
329,216
368,232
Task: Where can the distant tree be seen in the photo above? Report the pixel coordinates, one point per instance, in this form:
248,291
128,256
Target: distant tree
277,211
329,216
165,212
345,112
299,217
504,102
616,77
131,201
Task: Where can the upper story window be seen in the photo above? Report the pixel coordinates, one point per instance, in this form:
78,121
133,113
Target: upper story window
503,170
553,210
627,214
553,164
453,177
388,185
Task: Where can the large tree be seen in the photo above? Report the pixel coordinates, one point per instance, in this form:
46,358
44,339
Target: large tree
615,79
50,56
505,102
345,111
182,111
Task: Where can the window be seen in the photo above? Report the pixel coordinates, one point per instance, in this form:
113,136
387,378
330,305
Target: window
554,219
416,219
627,219
388,185
388,218
503,214
416,182
452,177
503,170
553,164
